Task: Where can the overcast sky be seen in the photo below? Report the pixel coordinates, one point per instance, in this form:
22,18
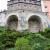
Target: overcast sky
3,4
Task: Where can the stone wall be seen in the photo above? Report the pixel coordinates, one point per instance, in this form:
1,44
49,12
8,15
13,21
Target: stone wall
23,18
2,18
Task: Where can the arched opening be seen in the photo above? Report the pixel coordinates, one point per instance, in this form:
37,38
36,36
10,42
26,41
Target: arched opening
34,23
12,22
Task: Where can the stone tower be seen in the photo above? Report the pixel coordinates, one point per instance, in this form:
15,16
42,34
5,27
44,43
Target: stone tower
25,15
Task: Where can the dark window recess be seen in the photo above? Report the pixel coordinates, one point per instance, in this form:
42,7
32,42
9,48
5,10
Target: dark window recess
45,6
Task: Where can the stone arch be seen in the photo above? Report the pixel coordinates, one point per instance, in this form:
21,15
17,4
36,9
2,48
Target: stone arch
34,24
12,22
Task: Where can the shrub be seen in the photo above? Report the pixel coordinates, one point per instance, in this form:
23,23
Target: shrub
37,46
21,41
37,41
8,37
22,44
46,33
47,30
12,48
13,40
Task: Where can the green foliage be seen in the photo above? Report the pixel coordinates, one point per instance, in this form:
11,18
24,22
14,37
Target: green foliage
37,47
22,44
47,30
13,40
46,33
8,37
12,48
21,41
25,47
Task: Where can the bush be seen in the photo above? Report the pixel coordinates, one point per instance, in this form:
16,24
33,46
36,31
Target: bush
47,30
37,41
22,44
13,40
12,48
46,33
21,41
8,37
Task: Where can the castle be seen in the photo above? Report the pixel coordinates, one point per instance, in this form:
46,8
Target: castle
24,15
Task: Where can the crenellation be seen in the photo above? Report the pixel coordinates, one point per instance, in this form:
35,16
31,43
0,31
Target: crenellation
23,4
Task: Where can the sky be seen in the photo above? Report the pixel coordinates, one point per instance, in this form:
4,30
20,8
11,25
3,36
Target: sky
3,4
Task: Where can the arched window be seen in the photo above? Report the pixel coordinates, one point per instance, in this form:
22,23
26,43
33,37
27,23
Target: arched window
12,22
34,24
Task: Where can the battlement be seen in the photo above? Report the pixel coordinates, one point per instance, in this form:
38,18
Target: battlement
24,1
24,5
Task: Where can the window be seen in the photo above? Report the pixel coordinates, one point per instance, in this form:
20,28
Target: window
45,6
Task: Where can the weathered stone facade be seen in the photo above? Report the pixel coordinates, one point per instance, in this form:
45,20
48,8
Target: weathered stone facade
24,15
